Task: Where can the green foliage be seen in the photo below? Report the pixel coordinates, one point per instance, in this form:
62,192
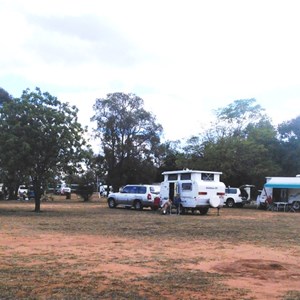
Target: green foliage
237,116
39,138
290,146
290,130
242,144
4,96
130,138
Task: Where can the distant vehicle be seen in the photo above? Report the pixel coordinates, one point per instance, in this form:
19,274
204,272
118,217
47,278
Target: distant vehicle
238,196
198,190
2,192
74,187
136,196
22,189
62,189
104,190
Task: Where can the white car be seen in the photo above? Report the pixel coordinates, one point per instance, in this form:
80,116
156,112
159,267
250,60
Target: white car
136,196
22,189
238,196
233,197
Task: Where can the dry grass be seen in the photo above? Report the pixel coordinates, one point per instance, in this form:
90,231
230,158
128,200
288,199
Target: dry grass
78,250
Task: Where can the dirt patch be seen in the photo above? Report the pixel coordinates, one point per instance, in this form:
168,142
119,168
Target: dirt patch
76,250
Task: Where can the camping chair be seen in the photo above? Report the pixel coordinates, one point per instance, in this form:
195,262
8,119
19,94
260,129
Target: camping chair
269,203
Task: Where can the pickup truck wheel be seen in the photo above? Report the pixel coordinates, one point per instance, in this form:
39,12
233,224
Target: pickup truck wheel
203,210
230,202
111,203
138,205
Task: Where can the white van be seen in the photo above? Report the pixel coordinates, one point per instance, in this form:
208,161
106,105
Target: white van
198,190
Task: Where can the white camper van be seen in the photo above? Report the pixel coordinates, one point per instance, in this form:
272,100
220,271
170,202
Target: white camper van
198,190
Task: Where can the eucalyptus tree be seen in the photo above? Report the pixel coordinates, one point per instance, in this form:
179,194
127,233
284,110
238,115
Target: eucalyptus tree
129,138
234,119
4,96
39,138
289,135
242,144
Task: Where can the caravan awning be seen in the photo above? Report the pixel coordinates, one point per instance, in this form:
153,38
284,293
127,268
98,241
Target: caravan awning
284,183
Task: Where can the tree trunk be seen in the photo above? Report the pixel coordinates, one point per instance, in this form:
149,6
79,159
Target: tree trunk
37,201
37,195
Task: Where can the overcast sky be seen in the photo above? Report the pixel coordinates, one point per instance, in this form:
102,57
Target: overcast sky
183,58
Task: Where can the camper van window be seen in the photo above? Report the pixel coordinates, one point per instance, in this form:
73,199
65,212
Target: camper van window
207,176
187,186
186,176
172,177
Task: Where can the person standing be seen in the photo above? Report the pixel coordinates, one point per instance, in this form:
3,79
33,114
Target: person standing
177,203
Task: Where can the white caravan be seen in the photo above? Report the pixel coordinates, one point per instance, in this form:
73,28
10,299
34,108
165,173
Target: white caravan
198,190
280,189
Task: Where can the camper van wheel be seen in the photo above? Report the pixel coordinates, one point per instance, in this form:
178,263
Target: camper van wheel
296,205
203,210
230,202
138,205
111,203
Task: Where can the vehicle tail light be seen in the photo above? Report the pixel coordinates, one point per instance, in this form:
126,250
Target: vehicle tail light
149,196
221,194
202,193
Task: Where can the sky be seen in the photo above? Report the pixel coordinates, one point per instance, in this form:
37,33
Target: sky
185,59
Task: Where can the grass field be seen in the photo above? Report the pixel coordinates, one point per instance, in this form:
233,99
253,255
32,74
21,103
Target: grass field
84,250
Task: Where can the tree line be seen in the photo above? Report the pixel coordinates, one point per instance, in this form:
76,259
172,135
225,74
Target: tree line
41,142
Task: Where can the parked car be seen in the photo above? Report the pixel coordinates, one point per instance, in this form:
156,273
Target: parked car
238,196
136,196
2,191
62,190
22,189
233,197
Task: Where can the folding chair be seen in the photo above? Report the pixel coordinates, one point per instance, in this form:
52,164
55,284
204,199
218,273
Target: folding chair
269,203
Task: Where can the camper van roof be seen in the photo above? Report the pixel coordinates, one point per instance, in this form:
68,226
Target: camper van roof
284,182
190,171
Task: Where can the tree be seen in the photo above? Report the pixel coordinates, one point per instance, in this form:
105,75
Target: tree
168,158
236,117
130,138
242,144
4,96
39,138
289,134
